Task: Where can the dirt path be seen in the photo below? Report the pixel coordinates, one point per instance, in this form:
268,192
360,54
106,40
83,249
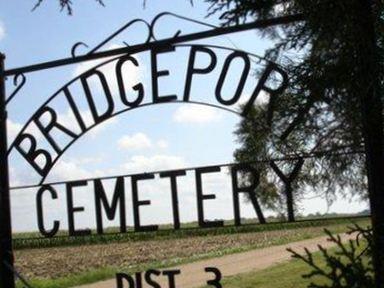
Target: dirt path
193,274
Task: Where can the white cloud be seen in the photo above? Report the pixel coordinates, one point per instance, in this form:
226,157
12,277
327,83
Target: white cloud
68,171
87,160
162,144
64,170
137,141
2,31
18,177
262,99
196,114
140,141
102,126
140,164
281,9
13,128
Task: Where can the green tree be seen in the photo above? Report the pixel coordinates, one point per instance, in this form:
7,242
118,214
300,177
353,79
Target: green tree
336,81
326,165
254,135
320,111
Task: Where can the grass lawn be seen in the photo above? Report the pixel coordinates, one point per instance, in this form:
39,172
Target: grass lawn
285,275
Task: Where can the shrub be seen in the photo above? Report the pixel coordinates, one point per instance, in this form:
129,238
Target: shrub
350,266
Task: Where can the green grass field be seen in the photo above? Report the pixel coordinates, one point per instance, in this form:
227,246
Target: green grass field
33,240
293,232
285,275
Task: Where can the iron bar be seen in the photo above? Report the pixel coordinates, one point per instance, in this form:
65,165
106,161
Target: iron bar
156,44
18,275
263,161
7,279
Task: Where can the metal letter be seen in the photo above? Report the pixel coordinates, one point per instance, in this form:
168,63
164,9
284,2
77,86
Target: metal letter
74,108
192,70
71,210
138,87
261,85
171,277
201,197
156,74
122,276
101,198
249,189
32,154
149,280
108,96
137,203
175,200
40,215
45,130
223,75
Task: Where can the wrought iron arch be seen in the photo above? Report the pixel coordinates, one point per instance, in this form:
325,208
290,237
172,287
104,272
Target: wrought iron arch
151,43
59,91
135,108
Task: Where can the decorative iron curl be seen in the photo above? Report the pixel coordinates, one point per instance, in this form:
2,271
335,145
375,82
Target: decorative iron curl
119,31
75,46
178,32
150,27
18,86
113,35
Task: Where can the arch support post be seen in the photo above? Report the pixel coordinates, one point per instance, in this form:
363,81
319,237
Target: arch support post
7,279
372,123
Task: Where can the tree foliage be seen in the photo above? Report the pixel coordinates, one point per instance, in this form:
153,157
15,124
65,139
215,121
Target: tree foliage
320,110
350,266
65,5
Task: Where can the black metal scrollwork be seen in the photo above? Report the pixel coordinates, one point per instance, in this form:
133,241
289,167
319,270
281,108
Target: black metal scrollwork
178,32
150,27
18,84
75,46
113,35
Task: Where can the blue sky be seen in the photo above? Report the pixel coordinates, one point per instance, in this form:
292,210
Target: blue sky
158,137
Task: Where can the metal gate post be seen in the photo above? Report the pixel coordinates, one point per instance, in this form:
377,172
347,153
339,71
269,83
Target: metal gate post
372,122
7,279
